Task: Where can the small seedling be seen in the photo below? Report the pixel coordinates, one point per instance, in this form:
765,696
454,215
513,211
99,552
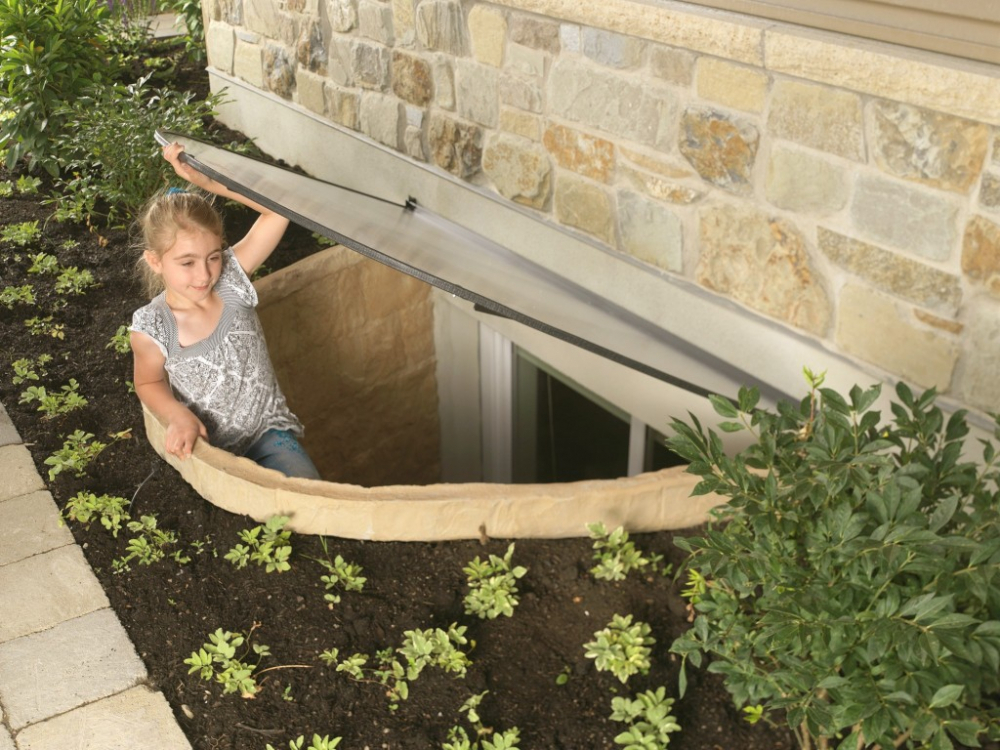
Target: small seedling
342,574
268,545
486,738
22,234
564,675
493,586
120,341
110,510
217,660
43,263
28,185
17,295
45,327
27,369
149,547
74,281
617,556
6,188
649,720
79,449
622,648
317,743
52,404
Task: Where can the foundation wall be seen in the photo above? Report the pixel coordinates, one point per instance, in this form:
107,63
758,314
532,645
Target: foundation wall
846,190
353,345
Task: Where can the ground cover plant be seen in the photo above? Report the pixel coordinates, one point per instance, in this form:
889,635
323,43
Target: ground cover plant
521,680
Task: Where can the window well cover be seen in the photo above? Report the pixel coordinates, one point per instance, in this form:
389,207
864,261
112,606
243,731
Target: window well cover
452,257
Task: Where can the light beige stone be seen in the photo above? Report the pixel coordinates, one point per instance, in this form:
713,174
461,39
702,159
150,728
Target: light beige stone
440,26
672,65
721,148
871,327
342,105
265,18
944,324
938,150
527,61
220,42
519,169
582,153
735,86
381,118
375,21
583,205
892,213
310,91
650,232
981,253
805,182
248,63
892,273
520,92
488,35
343,14
961,88
656,164
762,262
665,190
989,192
370,65
476,92
976,382
616,103
520,123
538,33
818,117
686,27
611,49
403,19
444,84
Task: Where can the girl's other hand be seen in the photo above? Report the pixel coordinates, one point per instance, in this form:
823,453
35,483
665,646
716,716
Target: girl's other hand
172,153
182,433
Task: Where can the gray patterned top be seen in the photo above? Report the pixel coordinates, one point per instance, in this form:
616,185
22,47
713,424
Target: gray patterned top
226,379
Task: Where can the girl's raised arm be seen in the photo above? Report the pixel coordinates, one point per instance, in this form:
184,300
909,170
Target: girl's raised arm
264,235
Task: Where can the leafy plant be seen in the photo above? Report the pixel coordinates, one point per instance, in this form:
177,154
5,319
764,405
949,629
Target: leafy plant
120,341
218,660
45,327
486,738
110,510
852,582
21,234
268,545
78,450
17,295
28,369
616,555
67,399
6,188
51,52
622,648
493,586
649,720
72,280
342,574
189,11
149,547
28,185
317,743
43,262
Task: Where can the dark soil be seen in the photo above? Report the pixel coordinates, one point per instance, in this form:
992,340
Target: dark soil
169,609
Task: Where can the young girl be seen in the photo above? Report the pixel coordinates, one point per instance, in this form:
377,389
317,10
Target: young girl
201,363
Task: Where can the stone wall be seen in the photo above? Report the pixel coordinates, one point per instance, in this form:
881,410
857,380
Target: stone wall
846,189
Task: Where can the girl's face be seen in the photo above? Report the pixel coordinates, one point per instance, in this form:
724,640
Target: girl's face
190,267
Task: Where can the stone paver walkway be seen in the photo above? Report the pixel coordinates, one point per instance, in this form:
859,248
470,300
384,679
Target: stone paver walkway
69,675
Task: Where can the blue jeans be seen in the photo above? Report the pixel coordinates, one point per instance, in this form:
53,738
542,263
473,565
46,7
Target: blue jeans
279,450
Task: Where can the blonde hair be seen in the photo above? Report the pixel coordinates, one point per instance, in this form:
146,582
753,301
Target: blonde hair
166,214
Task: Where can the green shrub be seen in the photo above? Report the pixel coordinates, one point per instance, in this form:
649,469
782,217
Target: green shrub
853,581
51,52
189,11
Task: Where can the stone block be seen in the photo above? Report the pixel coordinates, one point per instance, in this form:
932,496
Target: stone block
382,118
403,20
40,592
113,723
375,21
762,262
444,84
310,91
819,117
455,145
342,105
370,64
582,153
412,79
520,123
20,475
527,61
343,14
569,37
31,526
340,66
672,65
976,381
248,63
805,182
613,102
989,192
872,328
310,50
585,206
896,274
892,213
721,148
72,664
520,93
6,741
650,232
8,433
476,92
441,27
519,169
981,253
487,34
611,49
279,71
735,86
534,32
220,42
265,18
935,149
662,189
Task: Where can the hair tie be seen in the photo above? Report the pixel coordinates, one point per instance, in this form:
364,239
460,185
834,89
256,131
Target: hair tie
175,190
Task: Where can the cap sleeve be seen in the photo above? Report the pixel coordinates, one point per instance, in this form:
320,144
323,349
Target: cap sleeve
234,277
151,321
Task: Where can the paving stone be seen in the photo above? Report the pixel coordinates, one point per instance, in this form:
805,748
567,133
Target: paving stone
20,476
8,435
31,526
75,663
115,723
45,590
